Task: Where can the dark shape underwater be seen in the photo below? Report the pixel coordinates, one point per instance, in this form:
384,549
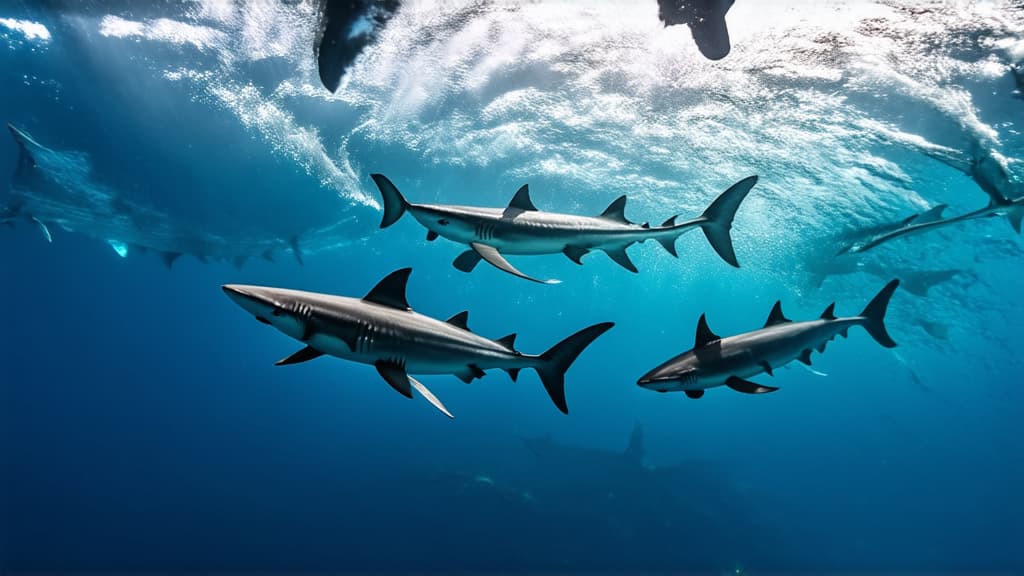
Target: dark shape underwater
706,19
345,28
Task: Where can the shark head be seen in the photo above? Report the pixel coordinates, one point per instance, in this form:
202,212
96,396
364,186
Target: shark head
676,374
279,308
445,222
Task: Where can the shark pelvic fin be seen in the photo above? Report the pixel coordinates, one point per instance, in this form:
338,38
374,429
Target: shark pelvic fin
169,258
513,373
520,203
43,229
669,244
426,393
805,357
704,334
460,320
390,291
293,242
494,258
747,387
616,211
776,316
575,253
695,394
431,235
766,367
621,258
305,355
830,312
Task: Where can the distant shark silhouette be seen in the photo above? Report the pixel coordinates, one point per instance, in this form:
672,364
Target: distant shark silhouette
717,361
58,188
344,29
382,330
706,19
521,228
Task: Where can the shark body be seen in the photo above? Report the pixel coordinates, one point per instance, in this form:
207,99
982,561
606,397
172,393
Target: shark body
521,228
382,330
730,361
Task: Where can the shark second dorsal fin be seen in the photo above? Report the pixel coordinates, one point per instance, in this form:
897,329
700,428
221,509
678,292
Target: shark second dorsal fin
933,214
520,202
704,334
830,312
616,211
776,316
508,341
390,291
460,320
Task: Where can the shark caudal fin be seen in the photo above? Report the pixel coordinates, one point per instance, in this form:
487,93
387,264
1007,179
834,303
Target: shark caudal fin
874,315
394,203
717,219
553,364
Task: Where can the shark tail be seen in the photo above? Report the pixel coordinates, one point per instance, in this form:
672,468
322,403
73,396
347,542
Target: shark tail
874,315
394,203
716,222
553,364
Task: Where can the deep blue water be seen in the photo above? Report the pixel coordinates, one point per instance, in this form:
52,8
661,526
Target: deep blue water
144,426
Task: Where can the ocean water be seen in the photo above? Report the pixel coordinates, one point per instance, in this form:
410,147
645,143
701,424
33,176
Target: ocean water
145,428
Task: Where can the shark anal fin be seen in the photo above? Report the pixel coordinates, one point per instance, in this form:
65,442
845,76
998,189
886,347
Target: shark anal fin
465,375
426,393
747,387
767,367
776,316
169,258
395,375
805,357
390,291
477,371
616,211
431,235
575,253
460,320
694,394
306,354
513,373
494,258
466,261
621,258
520,203
669,244
704,334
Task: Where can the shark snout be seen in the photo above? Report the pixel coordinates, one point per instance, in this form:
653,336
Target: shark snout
251,298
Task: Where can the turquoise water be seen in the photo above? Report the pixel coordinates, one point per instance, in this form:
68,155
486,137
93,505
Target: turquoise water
146,428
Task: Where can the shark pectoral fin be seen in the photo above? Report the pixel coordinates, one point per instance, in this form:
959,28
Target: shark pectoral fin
426,393
395,375
466,261
305,355
494,258
747,387
1015,218
694,394
431,236
575,253
621,258
46,231
767,368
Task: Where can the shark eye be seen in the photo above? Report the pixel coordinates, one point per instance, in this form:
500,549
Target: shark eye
443,221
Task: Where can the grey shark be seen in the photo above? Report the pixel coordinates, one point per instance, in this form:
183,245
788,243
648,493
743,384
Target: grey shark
382,330
717,361
521,228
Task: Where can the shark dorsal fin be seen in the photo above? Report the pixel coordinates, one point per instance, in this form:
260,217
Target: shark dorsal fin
933,214
704,334
830,312
521,202
390,291
670,222
460,320
616,211
635,450
508,341
776,316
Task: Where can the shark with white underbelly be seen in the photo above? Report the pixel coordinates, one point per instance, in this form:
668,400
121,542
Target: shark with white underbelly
730,361
521,228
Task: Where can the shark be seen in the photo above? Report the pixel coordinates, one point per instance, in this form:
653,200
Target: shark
520,228
730,361
344,29
58,190
382,330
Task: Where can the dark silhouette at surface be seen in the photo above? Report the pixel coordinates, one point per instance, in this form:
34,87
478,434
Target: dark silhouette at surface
706,19
346,27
